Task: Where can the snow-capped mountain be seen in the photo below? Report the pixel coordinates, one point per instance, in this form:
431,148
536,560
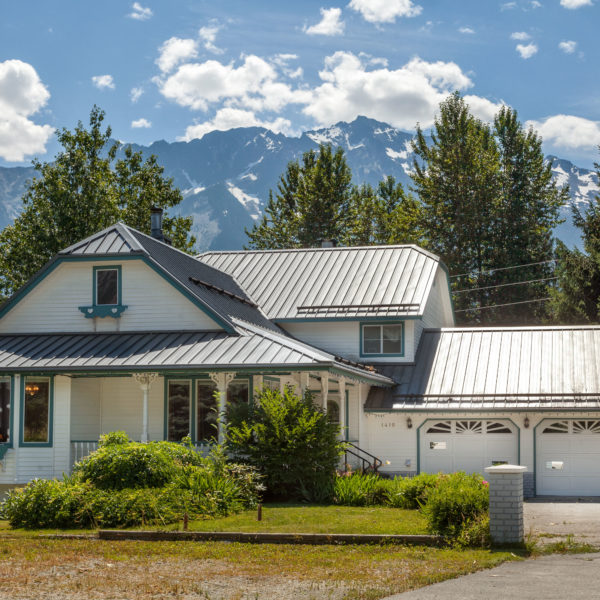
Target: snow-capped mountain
225,177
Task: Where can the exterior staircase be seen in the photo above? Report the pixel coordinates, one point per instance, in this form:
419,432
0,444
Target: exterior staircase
368,463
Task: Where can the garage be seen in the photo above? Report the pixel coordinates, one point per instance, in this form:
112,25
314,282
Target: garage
568,457
468,445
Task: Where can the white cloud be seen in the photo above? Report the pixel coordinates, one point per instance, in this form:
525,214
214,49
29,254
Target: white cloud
252,85
573,4
141,124
139,12
467,30
330,23
536,4
568,47
136,93
483,108
208,35
174,51
508,6
103,82
522,36
385,11
568,131
229,118
22,94
400,97
527,51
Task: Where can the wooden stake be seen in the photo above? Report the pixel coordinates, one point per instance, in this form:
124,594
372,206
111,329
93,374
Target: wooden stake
259,513
185,521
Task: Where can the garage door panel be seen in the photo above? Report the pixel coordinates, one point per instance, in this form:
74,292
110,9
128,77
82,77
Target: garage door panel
568,463
468,445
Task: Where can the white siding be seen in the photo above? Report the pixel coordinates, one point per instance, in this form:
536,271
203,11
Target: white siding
153,303
438,309
86,409
343,338
62,425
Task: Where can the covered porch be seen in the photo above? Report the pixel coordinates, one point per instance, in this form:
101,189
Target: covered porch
152,406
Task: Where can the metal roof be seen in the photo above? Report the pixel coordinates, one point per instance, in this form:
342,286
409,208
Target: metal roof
216,290
379,281
251,347
497,368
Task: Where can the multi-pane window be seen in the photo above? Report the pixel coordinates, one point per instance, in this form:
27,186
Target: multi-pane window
238,391
36,410
107,286
4,410
179,402
382,339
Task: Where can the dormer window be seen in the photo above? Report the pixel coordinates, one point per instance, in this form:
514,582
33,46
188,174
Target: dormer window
106,293
382,339
107,286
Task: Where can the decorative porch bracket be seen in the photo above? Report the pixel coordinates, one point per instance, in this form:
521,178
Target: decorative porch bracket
145,381
222,380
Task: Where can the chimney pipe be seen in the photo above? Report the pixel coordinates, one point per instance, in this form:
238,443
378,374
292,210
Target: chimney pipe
156,218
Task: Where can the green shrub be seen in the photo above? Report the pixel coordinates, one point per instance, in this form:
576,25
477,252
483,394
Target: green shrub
290,441
454,501
360,489
409,492
113,438
475,533
125,484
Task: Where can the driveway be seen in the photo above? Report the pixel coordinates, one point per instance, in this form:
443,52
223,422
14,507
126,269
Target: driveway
554,518
553,577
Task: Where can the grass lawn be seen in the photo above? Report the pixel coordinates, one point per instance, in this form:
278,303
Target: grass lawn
67,569
302,518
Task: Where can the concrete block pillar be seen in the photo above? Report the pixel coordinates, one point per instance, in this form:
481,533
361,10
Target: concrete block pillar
506,503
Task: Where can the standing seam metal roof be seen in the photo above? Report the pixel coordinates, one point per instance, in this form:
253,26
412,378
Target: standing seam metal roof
253,347
506,367
333,282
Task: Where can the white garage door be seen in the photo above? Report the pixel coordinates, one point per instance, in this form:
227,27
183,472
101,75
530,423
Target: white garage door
467,445
568,457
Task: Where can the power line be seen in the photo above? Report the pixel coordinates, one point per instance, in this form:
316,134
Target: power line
501,305
500,285
490,271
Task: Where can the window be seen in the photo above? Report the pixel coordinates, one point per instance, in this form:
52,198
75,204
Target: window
4,410
382,339
179,402
271,383
36,411
107,286
333,411
238,391
207,426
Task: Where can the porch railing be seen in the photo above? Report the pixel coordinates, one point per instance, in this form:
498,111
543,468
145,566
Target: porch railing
81,448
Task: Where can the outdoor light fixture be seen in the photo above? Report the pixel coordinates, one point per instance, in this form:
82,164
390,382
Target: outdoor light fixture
526,422
31,388
409,423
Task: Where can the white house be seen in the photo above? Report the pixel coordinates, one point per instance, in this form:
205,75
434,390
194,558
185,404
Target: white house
122,331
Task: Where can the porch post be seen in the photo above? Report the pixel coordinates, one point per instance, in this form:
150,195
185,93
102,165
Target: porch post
324,389
304,378
221,380
361,416
145,381
343,415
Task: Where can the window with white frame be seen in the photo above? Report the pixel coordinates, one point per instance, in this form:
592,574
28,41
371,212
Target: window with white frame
382,339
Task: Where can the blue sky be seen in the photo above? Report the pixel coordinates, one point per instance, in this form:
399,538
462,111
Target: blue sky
175,70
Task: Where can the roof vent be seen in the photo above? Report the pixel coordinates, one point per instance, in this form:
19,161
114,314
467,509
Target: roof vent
156,219
328,243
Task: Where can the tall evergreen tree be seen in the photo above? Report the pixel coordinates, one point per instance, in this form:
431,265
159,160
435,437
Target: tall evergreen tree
82,191
311,203
489,203
576,298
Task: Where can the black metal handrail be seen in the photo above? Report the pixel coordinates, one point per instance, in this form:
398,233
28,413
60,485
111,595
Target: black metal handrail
368,462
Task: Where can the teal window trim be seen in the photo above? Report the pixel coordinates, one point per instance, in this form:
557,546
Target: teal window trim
48,444
105,310
194,379
442,418
11,432
363,324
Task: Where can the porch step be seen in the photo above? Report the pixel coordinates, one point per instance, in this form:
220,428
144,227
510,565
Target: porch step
368,462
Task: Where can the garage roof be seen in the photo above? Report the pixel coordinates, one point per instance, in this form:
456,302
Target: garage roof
497,368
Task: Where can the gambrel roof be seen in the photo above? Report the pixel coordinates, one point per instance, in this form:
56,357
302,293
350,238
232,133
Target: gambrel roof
321,283
216,292
497,368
